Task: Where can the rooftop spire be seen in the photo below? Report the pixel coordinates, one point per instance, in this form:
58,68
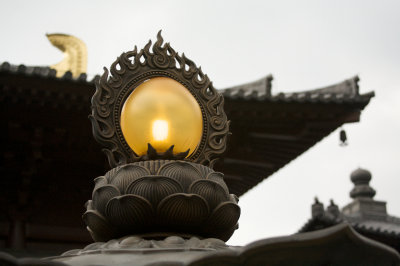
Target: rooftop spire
75,54
333,209
317,209
361,179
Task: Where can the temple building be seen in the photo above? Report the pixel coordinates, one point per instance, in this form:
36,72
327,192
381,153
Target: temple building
49,159
365,214
48,144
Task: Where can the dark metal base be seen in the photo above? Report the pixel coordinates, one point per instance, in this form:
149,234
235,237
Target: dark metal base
152,198
338,245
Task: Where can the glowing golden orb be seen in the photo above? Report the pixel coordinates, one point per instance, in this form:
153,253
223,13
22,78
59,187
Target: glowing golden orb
162,112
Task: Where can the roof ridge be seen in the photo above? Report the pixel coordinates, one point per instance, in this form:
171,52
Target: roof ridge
43,71
342,92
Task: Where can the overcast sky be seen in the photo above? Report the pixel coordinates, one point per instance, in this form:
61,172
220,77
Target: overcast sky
303,44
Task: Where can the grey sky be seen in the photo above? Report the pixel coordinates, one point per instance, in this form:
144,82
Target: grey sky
304,44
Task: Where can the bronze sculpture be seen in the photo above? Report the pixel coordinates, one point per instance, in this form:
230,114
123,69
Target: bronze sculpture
159,193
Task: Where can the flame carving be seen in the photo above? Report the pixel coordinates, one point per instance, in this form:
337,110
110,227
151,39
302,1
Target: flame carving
130,70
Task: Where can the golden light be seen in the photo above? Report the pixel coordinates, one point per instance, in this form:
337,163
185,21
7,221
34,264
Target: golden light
160,130
162,112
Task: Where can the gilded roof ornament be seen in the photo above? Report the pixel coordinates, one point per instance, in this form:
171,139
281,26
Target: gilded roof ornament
75,54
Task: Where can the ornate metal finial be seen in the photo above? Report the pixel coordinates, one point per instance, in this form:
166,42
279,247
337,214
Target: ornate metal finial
75,54
317,209
343,138
333,209
361,179
132,69
165,190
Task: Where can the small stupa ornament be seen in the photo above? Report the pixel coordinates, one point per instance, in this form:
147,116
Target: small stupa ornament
162,125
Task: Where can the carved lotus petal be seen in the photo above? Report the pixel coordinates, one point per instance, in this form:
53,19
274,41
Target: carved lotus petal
134,242
219,178
211,191
102,195
96,223
99,181
127,174
182,210
183,172
213,243
153,165
233,198
110,174
225,216
89,205
130,212
161,196
225,234
204,170
112,244
170,242
154,188
93,246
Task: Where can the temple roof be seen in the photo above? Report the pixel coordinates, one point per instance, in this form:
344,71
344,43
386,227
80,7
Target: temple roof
42,72
390,227
268,130
346,91
338,245
48,143
365,214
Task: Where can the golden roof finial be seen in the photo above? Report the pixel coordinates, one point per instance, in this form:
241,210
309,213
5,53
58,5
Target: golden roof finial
75,54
